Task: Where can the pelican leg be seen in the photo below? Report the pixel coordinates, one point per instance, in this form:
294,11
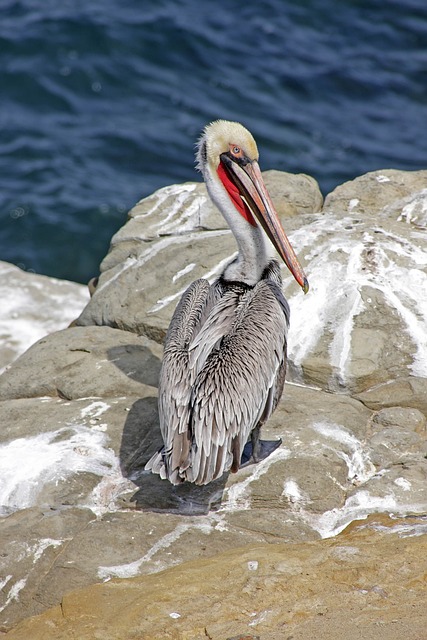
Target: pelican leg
256,449
256,443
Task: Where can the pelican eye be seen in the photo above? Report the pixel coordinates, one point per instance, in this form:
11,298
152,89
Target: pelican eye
235,150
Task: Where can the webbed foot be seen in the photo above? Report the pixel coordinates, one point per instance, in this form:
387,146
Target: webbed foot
263,449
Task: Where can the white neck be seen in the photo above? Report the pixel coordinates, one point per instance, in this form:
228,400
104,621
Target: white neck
255,250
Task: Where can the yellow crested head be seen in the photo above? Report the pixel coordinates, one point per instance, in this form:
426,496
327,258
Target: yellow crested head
222,136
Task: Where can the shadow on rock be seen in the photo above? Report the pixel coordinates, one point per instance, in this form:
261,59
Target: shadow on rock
137,362
140,440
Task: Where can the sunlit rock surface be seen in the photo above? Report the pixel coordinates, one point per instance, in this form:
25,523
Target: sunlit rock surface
369,583
32,306
79,420
364,321
171,238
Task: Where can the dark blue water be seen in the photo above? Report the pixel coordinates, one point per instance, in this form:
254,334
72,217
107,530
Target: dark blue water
102,101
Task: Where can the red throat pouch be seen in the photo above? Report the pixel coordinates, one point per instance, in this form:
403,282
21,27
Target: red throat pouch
235,196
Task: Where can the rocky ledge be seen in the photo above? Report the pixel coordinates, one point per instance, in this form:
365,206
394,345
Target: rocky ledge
368,583
79,419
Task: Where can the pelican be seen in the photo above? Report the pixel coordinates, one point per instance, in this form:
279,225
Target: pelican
224,362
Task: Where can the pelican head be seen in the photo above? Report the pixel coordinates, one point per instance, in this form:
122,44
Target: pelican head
221,137
227,155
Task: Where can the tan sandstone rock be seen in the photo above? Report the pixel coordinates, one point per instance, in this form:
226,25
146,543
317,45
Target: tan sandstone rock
363,584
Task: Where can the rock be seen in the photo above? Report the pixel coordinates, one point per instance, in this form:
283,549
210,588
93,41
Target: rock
367,581
391,193
363,323
32,541
394,443
83,459
79,417
84,361
401,417
173,237
33,306
407,391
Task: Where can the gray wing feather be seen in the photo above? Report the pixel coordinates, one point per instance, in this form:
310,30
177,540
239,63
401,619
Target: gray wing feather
175,384
236,385
216,325
224,357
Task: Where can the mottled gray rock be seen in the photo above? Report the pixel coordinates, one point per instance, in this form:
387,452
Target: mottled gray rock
388,192
362,324
393,445
408,418
173,237
365,322
83,463
33,540
79,409
84,361
32,306
405,391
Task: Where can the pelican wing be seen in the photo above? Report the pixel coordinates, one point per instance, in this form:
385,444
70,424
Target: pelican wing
218,320
175,383
236,383
222,372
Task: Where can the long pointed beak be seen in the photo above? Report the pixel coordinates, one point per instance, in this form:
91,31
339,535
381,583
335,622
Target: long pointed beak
248,179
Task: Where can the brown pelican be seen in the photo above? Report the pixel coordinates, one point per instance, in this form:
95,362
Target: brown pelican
224,361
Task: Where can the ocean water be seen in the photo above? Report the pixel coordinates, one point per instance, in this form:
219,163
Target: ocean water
102,101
